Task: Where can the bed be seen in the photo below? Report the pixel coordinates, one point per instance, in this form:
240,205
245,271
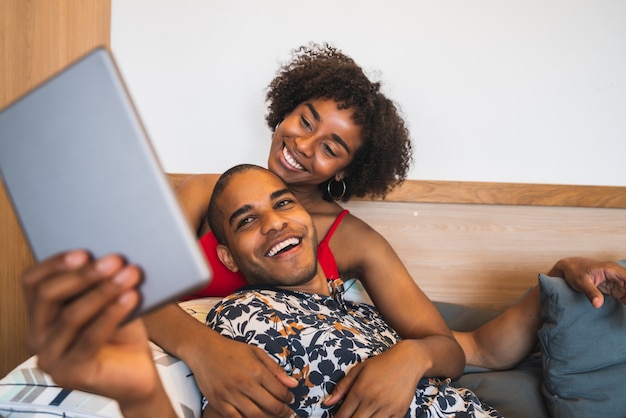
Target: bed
475,249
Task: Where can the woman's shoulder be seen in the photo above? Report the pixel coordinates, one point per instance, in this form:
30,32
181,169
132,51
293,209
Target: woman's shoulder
205,182
351,223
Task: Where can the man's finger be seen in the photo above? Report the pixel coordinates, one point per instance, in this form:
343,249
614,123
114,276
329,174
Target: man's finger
593,294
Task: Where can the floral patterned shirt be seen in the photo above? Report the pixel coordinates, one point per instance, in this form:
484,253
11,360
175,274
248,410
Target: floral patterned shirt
317,339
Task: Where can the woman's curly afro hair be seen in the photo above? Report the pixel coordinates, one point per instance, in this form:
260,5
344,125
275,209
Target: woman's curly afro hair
322,71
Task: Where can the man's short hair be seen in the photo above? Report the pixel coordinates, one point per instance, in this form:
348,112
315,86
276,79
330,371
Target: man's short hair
215,215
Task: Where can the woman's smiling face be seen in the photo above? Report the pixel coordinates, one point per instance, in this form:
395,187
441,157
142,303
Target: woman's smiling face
315,142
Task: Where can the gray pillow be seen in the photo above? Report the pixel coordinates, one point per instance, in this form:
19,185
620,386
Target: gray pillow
584,352
515,393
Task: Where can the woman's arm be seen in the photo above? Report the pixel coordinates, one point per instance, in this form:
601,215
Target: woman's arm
399,299
194,195
235,377
388,381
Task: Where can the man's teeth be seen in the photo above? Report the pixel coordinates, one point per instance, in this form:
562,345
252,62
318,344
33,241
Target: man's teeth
290,160
283,245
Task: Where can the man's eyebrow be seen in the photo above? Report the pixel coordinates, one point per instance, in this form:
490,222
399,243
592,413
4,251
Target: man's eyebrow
279,193
247,208
336,137
238,213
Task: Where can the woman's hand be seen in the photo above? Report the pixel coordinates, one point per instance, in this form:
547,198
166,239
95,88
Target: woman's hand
383,385
239,379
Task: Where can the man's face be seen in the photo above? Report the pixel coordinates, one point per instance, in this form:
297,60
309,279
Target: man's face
271,237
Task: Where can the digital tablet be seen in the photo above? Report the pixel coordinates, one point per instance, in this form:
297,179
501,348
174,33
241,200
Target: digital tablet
81,172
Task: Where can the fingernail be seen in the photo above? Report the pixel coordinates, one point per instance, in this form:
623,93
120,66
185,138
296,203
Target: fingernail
106,264
125,298
123,277
75,259
596,302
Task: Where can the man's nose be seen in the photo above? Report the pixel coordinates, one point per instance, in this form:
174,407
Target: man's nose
272,221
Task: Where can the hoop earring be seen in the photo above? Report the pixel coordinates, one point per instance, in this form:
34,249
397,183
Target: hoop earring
329,188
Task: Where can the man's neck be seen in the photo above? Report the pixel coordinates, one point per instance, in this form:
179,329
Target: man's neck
317,285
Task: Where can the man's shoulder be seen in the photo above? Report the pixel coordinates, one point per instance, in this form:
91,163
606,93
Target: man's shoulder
256,294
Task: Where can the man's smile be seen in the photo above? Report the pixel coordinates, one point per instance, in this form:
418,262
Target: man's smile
283,246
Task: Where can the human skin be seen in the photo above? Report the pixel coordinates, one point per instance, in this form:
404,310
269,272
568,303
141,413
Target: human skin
507,339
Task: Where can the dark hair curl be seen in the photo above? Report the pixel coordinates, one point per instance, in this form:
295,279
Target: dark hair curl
322,71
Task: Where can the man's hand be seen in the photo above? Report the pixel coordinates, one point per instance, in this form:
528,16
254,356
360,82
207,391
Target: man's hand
76,306
593,278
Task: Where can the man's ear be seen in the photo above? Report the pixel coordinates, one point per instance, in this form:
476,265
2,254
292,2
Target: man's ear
223,253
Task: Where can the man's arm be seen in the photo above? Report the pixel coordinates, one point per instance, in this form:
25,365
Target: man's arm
76,307
593,278
508,338
504,341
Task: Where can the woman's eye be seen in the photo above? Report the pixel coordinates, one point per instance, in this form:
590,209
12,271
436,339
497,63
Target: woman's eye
305,122
329,150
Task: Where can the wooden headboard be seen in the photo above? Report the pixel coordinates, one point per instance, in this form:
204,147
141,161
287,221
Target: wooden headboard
483,244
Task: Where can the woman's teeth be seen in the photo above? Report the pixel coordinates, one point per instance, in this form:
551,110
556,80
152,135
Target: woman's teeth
293,163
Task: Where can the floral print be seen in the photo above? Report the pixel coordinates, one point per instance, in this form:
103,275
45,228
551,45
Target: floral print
317,339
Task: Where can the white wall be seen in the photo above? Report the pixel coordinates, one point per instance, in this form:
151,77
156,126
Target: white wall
529,91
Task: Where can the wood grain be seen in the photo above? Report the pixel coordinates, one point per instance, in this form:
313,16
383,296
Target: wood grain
509,194
520,194
37,39
489,255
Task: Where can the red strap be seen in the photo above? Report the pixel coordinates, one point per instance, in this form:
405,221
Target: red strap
325,255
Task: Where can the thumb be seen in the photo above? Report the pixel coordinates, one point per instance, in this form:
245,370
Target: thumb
344,385
591,291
